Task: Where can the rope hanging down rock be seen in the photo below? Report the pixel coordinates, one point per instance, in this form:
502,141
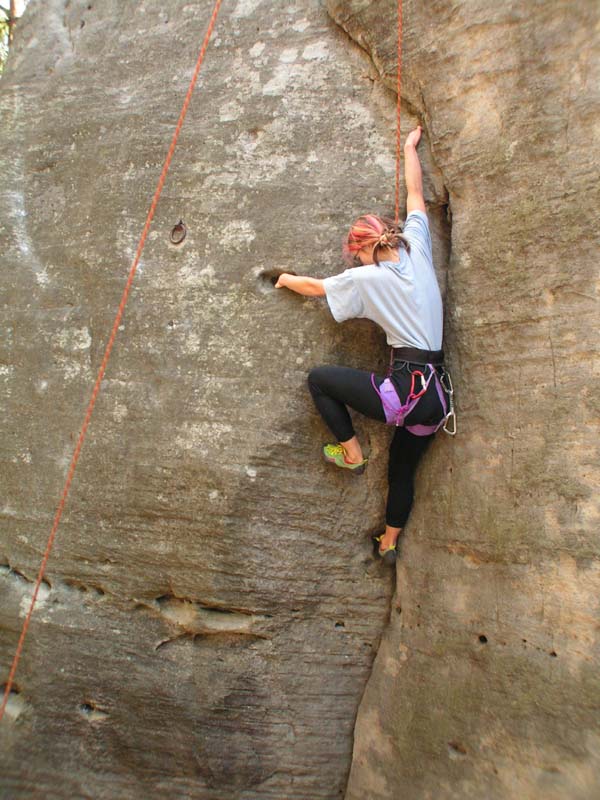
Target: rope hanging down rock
121,309
107,352
398,88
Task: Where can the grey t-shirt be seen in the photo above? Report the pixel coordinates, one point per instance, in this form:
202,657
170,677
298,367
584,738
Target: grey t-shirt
402,297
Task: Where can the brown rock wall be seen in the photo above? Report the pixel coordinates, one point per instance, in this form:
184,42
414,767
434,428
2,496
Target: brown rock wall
486,681
212,610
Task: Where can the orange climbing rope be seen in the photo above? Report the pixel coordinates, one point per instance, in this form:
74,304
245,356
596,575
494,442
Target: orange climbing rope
107,353
398,87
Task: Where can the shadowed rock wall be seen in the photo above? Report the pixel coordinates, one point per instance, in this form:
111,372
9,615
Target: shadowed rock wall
212,610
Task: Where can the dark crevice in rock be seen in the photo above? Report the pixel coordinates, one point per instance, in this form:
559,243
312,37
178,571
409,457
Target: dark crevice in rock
417,108
16,703
439,201
456,750
169,597
83,587
355,37
67,585
268,278
92,712
6,569
222,636
199,619
20,577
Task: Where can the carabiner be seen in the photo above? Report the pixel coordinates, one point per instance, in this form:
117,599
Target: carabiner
446,382
412,395
450,416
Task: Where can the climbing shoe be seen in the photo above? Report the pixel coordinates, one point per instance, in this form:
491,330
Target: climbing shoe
388,555
335,454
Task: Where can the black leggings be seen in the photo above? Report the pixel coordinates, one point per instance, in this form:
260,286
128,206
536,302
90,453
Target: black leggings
333,388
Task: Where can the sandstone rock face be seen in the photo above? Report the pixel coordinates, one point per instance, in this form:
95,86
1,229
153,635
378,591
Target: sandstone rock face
212,611
487,683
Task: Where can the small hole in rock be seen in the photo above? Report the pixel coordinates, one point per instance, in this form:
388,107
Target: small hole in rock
269,277
178,233
457,750
398,609
15,703
340,624
92,713
483,638
553,653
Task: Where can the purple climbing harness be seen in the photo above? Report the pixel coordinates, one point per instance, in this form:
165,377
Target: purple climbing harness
396,411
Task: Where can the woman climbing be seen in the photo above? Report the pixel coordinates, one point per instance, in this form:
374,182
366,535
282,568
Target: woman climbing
395,286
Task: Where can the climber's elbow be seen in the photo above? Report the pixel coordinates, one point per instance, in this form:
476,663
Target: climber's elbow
318,289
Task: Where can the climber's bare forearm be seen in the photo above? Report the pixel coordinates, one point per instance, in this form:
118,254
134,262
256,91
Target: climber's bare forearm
412,170
310,287
414,179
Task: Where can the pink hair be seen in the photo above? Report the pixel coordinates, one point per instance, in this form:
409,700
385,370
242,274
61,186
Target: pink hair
373,231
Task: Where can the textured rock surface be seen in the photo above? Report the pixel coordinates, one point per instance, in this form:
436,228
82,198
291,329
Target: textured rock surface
212,611
487,683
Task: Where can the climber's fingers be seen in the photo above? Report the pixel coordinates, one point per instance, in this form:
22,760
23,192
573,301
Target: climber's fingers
414,136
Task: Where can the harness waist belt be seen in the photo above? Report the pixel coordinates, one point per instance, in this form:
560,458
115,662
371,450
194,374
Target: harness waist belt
415,356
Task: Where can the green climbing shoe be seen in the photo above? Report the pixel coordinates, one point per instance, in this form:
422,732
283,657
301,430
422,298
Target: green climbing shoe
335,454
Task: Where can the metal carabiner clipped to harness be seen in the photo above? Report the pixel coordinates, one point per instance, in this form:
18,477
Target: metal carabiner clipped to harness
447,386
450,417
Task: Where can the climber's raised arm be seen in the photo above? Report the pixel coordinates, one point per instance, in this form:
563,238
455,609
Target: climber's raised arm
311,287
412,173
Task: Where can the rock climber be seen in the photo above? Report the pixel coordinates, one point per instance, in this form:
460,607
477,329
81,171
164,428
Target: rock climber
393,283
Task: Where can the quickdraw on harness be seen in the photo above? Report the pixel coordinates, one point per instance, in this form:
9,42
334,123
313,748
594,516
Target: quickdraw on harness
397,411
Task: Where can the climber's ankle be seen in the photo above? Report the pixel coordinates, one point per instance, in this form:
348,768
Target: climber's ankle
353,450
